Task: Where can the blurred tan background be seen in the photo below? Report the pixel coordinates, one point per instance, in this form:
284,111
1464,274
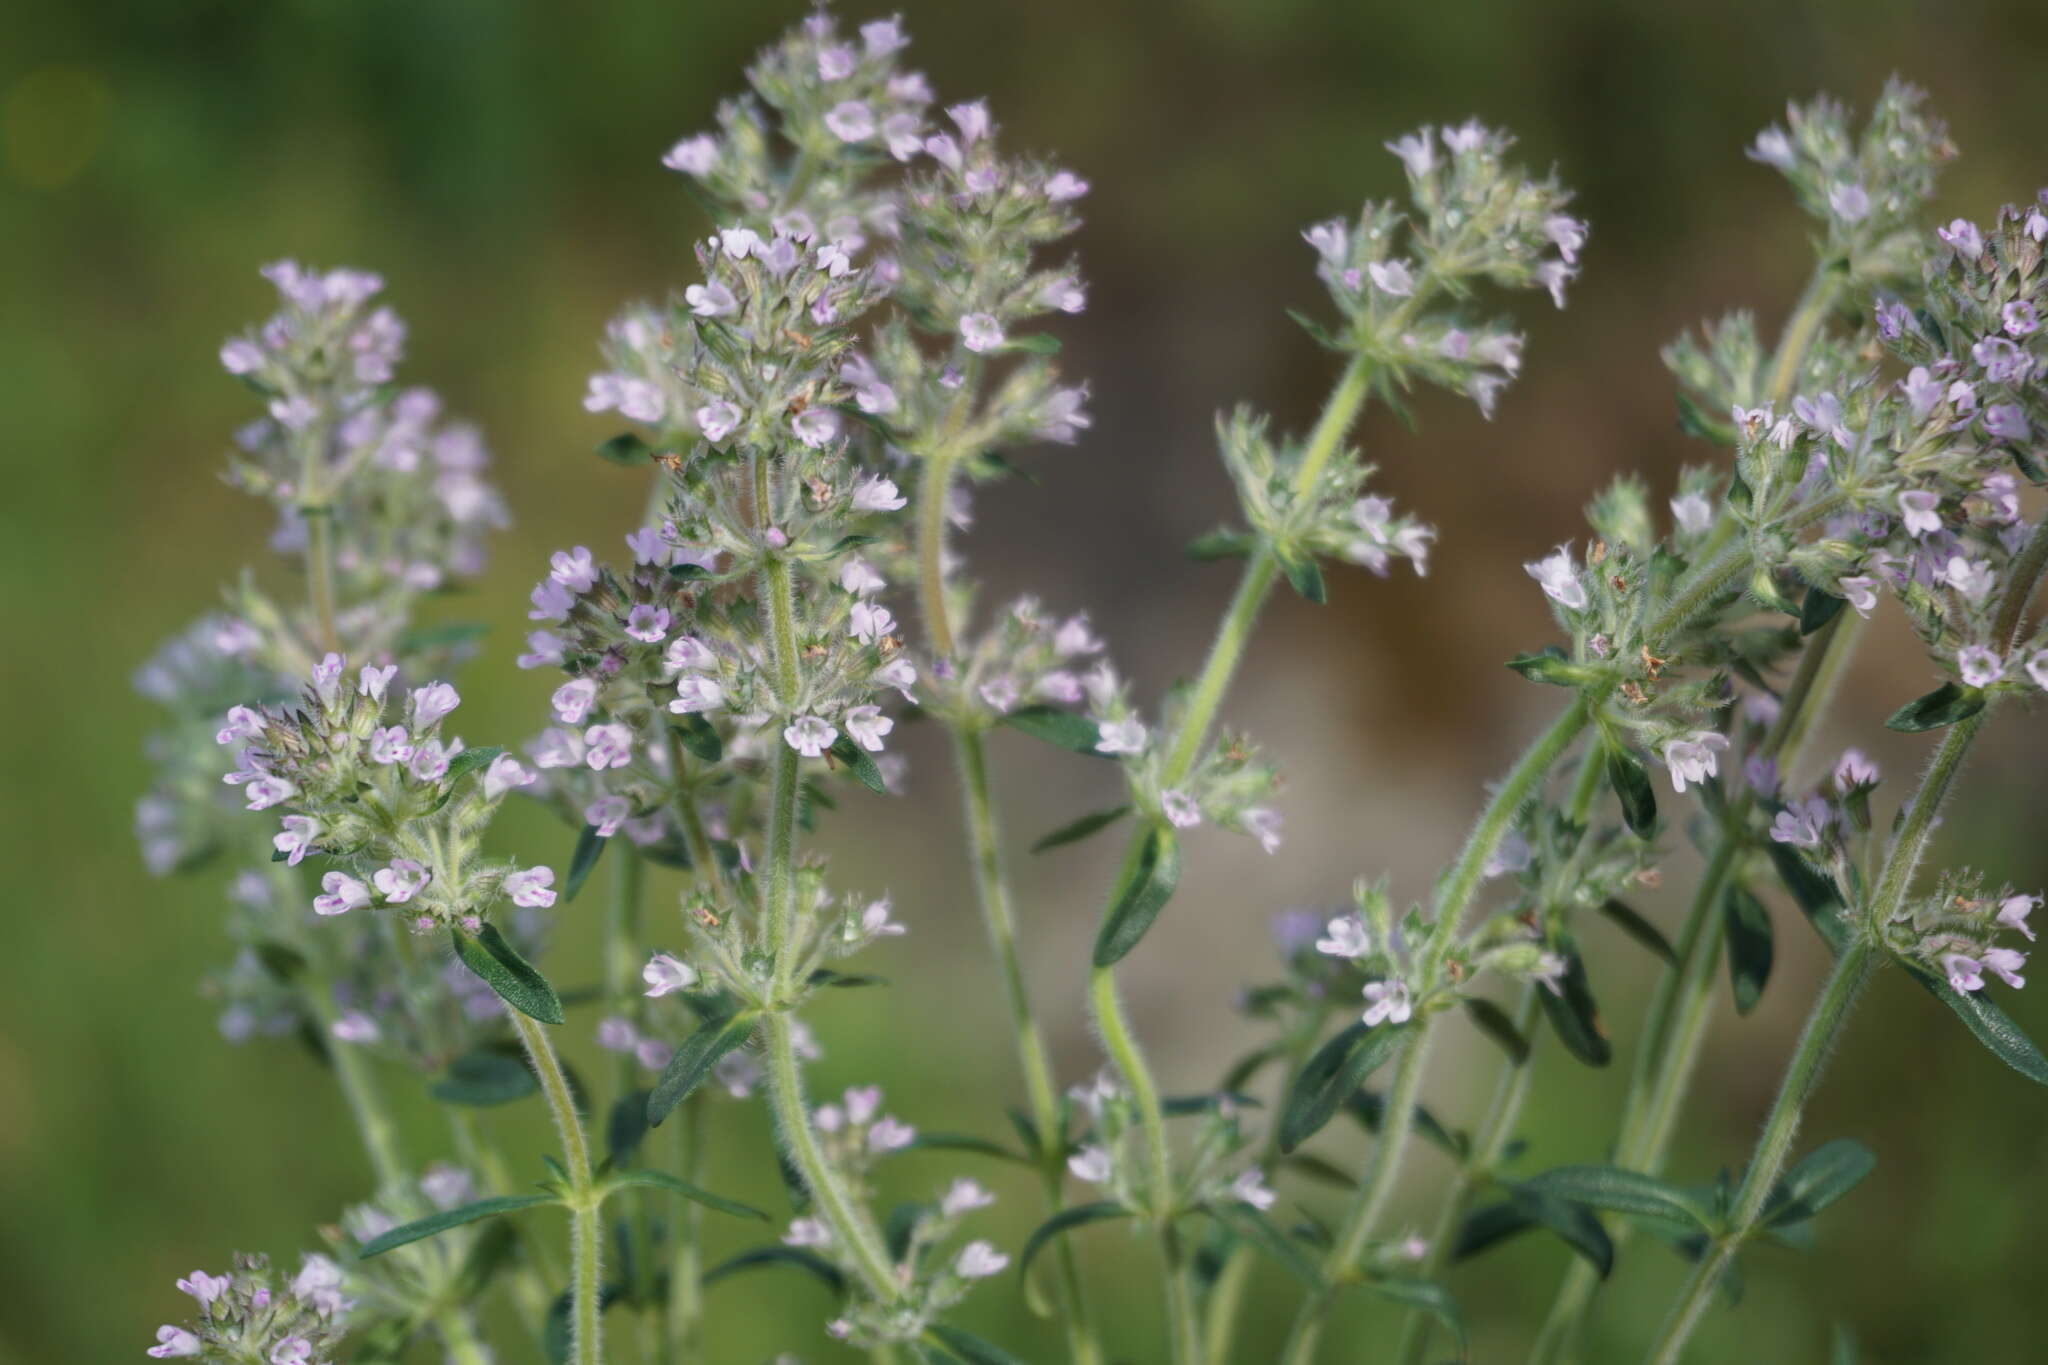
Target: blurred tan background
499,164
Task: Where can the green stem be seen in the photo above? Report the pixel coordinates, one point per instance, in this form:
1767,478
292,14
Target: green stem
932,493
1830,1012
686,1265
320,575
586,1236
1180,1300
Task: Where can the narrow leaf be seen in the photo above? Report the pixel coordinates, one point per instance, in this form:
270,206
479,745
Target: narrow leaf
1633,788
626,1129
1945,705
699,737
1640,929
1431,1297
1057,726
1527,1208
1222,545
693,1061
1749,946
1621,1191
589,848
808,1261
1076,831
1818,609
1993,1026
1573,1013
467,762
440,1222
1550,665
962,1142
662,1180
1142,895
626,448
1066,1220
1369,1107
507,973
485,1076
968,1348
1818,1180
1254,1227
860,763
1332,1073
1304,575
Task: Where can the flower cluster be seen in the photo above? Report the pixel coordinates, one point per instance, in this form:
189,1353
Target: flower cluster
252,1316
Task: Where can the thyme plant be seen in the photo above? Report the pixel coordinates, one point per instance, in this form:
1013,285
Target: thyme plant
863,354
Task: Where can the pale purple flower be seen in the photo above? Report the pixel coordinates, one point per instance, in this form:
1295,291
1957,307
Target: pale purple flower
1922,389
1332,240
267,790
616,1033
898,673
204,1287
572,700
647,623
551,602
1851,202
1860,591
608,746
2037,669
1250,1188
980,332
693,155
1803,824
2005,963
239,355
717,420
1854,769
1392,278
2020,318
1567,234
1559,578
605,814
1760,775
531,887
876,923
695,692
869,622
883,37
1263,825
877,494
505,773
1126,736
356,1027
1964,973
1979,666
1511,854
1973,578
1064,186
836,63
978,1261
962,1196
1345,936
1182,810
1693,513
712,300
343,893
868,725
807,1232
687,654
558,748
1061,418
858,577
373,681
2013,912
665,973
242,724
401,880
810,736
574,569
851,121
429,760
174,1341
1417,151
890,1135
1917,512
2003,362
1387,1002
1091,1164
432,702
1773,148
1693,758
971,120
296,839
1962,235
1554,276
815,427
2006,422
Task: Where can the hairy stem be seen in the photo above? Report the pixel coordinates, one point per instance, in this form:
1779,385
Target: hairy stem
586,1236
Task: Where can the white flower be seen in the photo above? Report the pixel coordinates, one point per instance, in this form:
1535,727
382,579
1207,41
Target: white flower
343,893
1387,1002
1345,936
1861,593
1250,1188
1125,736
531,887
505,773
1917,511
695,692
807,1232
665,973
876,494
1559,578
875,921
1264,825
858,577
810,736
1392,277
980,332
693,155
867,725
979,1260
1694,758
1182,810
1091,1164
1979,666
962,1195
851,121
1693,513
572,700
890,1135
401,880
2013,912
713,300
869,622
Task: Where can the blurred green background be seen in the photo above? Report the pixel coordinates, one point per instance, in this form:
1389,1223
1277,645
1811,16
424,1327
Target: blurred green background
498,163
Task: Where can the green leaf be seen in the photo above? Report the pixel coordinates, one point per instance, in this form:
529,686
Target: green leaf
1493,1021
1035,343
1080,829
589,848
1694,421
1808,885
1332,1073
440,1222
826,978
1431,1297
1066,1220
1993,1026
1303,574
1640,929
557,1334
448,635
860,762
1821,1177
1818,609
1316,330
962,1142
1222,544
699,737
1369,1107
467,762
626,448
968,1348
1621,1191
1945,705
1551,665
1254,1227
1527,1208
1632,787
692,1062
509,974
1573,1013
1749,945
485,1076
662,1180
1143,893
626,1129
849,542
1183,1106
796,1257
1315,1168
1058,727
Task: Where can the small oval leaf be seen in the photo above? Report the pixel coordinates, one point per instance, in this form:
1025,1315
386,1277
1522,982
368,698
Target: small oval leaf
1142,895
693,1061
510,975
449,1218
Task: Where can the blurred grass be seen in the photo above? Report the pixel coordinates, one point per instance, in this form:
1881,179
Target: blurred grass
498,164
